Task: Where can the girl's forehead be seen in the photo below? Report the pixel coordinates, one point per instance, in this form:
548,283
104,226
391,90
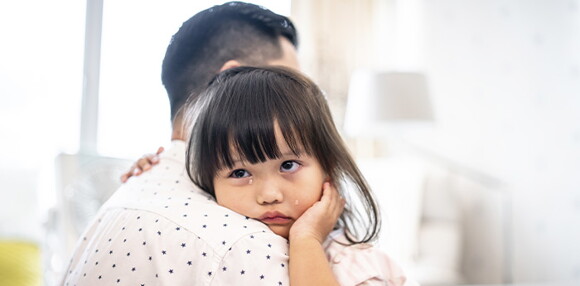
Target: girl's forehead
282,146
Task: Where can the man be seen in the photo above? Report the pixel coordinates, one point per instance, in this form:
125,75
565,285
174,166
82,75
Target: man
158,228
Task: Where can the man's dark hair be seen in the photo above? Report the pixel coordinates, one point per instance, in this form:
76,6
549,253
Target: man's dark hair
231,31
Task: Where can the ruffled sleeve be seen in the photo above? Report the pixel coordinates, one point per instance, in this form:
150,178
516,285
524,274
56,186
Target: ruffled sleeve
363,264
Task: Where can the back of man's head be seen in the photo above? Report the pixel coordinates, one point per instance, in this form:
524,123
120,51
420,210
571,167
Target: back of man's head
237,31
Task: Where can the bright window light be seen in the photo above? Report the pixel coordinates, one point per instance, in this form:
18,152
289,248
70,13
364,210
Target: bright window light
134,113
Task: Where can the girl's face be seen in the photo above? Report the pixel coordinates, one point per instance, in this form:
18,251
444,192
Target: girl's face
276,192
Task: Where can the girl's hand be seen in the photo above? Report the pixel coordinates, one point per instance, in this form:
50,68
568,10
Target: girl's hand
319,220
143,164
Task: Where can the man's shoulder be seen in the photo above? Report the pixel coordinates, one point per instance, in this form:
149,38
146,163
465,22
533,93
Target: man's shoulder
217,227
182,204
167,192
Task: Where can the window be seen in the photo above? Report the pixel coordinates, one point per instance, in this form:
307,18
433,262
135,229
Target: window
40,80
134,110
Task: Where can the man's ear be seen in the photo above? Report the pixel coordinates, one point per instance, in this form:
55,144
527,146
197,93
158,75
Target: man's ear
230,64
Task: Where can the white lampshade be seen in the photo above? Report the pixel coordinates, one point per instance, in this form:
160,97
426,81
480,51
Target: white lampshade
381,101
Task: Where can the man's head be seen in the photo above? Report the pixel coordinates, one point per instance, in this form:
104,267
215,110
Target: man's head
224,36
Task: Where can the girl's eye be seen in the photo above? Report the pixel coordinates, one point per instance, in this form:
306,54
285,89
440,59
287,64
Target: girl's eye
239,173
289,166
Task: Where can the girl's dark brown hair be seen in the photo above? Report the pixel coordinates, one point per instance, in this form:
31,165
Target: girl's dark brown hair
237,115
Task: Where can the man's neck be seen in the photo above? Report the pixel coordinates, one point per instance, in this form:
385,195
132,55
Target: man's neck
177,134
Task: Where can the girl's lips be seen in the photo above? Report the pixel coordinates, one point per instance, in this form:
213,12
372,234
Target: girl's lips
274,218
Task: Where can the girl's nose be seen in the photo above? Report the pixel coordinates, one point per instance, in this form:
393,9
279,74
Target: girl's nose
269,193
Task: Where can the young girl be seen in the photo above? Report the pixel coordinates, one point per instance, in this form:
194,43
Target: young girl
264,144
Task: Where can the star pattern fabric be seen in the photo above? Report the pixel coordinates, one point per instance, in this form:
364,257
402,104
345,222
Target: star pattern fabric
160,229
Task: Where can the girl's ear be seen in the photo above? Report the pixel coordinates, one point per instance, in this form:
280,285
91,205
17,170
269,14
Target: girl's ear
230,64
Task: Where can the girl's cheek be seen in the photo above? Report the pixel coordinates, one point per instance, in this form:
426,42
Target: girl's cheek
241,182
301,206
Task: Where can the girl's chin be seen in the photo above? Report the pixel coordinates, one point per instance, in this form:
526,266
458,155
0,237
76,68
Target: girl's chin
282,231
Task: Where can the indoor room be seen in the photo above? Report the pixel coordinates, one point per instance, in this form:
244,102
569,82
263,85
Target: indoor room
463,117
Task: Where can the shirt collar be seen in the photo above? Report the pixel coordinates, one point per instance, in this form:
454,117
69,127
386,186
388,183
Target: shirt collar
176,151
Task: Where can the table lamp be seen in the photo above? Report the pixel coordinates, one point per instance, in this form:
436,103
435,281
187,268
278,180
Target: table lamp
385,104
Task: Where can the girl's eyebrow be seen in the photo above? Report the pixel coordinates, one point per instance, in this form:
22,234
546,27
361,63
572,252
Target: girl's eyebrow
285,154
290,153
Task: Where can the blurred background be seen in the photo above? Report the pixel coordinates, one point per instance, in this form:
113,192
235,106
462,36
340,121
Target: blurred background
463,114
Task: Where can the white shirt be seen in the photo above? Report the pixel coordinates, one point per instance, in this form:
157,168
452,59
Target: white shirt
160,229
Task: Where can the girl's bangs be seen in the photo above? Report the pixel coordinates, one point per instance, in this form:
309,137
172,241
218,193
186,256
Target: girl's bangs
256,142
250,107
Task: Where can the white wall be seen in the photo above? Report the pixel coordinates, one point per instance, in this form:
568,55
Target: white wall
40,79
40,87
505,82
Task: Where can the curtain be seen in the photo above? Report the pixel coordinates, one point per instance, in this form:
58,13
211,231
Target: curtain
336,37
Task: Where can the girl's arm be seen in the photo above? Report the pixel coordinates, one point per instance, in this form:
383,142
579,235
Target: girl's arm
308,263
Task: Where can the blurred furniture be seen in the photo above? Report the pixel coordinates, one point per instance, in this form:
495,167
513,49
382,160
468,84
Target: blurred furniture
382,101
20,232
470,209
20,263
83,183
445,223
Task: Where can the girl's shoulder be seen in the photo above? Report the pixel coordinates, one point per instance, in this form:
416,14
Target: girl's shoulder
362,263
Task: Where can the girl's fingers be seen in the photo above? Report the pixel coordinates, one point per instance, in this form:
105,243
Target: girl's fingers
325,193
128,174
143,164
334,201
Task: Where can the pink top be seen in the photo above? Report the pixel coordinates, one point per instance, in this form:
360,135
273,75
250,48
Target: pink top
362,264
